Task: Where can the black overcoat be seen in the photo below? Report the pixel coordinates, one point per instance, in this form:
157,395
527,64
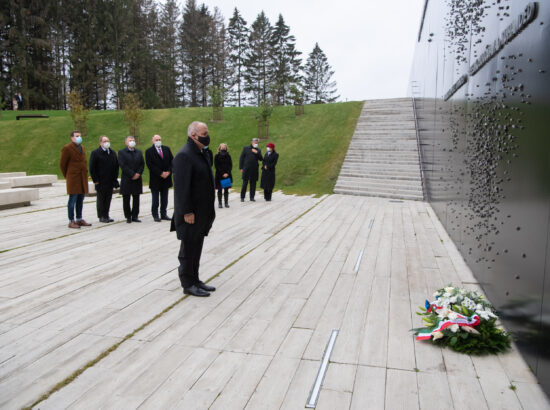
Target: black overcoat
223,165
131,162
157,166
249,162
193,192
268,175
104,169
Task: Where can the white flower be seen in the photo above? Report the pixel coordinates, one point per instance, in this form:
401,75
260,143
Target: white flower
483,314
470,329
454,328
453,299
453,315
446,294
479,306
437,335
462,291
443,312
449,289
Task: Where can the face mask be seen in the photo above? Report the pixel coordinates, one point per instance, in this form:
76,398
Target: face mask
132,144
158,144
268,149
205,140
106,145
223,150
255,145
78,140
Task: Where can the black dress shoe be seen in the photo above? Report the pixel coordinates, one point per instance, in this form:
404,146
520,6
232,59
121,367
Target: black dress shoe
206,287
165,218
104,220
156,219
136,220
110,219
226,205
220,205
242,199
195,291
252,199
128,220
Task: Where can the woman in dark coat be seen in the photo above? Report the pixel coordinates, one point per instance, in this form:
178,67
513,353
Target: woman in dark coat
268,171
223,165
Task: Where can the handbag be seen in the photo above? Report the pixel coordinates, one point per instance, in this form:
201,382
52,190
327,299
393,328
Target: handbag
226,183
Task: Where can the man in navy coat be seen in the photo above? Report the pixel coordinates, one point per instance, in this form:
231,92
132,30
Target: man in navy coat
159,161
194,212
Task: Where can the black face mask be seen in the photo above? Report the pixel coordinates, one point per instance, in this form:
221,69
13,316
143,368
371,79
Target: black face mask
223,151
204,140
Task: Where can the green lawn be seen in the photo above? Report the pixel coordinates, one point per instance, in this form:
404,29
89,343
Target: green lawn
311,147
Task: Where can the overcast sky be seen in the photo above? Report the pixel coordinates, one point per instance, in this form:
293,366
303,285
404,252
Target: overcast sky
368,43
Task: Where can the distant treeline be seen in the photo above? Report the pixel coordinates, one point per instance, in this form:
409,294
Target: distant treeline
170,56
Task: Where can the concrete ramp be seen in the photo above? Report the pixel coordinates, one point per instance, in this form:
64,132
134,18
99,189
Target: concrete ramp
382,158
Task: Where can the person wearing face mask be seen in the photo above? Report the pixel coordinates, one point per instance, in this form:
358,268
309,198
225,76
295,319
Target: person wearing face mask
104,173
131,164
248,165
223,165
74,168
194,211
268,171
159,161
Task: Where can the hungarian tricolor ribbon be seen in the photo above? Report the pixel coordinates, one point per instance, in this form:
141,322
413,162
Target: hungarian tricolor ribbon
461,320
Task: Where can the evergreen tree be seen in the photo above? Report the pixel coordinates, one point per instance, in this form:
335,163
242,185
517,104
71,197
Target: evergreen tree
167,55
219,70
286,63
238,46
258,65
189,49
318,85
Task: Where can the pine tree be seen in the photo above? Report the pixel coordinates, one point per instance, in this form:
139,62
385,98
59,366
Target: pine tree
318,85
238,45
286,63
219,70
258,71
167,54
189,49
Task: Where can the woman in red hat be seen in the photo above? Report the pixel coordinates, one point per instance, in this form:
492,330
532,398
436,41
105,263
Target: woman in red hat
268,171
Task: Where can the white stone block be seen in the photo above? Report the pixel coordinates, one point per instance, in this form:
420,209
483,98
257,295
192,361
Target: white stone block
17,197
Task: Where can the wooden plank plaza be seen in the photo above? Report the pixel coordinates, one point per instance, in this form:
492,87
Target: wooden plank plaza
287,273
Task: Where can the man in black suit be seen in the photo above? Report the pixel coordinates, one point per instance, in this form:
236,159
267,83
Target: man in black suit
131,163
193,206
159,161
248,164
104,172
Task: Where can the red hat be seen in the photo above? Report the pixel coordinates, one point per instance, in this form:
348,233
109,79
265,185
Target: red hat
271,145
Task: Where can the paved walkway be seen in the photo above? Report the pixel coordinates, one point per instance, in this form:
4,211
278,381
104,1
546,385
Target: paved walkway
286,273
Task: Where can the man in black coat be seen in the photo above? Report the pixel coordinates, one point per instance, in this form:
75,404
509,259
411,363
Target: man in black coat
131,163
248,164
193,206
104,173
159,161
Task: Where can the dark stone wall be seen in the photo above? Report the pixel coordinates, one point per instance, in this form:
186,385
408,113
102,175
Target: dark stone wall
486,151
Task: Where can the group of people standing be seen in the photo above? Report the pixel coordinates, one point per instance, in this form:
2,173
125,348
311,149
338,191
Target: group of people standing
104,170
194,187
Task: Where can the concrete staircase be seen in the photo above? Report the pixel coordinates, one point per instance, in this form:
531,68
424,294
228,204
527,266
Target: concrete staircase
382,158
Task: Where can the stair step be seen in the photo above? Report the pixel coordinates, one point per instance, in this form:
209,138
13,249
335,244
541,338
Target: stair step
379,194
381,184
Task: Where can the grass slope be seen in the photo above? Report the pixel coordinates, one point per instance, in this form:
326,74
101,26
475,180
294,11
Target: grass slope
311,147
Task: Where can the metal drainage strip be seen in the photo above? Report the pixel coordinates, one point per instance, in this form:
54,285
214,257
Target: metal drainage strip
316,389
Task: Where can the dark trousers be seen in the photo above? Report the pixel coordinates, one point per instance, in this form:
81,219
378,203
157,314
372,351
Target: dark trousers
252,188
267,194
75,201
225,195
103,203
190,257
132,212
163,194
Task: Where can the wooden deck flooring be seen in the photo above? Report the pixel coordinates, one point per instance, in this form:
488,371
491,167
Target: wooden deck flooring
286,276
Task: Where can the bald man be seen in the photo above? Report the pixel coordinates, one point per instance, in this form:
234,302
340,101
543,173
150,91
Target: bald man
193,206
159,161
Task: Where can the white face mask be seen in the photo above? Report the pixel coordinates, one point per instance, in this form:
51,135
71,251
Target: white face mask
268,149
132,144
106,145
158,144
255,145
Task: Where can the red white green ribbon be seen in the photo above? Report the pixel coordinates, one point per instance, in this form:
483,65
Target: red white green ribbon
461,320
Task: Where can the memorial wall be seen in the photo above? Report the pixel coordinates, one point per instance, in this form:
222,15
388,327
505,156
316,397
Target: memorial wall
481,83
